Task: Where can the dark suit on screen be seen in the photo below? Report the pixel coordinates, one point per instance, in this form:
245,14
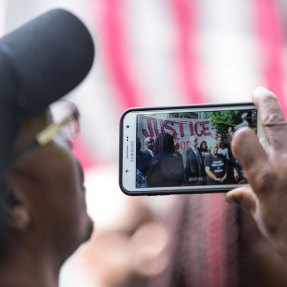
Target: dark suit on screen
194,167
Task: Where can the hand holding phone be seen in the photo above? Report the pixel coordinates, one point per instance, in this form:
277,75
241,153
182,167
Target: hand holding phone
266,169
184,149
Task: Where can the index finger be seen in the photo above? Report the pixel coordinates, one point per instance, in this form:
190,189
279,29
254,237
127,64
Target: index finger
272,118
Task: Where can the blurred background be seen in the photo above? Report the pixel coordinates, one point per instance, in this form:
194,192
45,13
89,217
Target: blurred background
154,52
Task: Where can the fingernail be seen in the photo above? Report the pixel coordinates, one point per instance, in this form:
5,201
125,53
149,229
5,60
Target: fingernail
260,91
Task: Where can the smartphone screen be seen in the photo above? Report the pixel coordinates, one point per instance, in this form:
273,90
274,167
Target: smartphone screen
182,149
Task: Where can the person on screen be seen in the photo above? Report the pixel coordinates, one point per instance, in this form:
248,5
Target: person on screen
221,149
176,150
178,155
204,150
215,167
194,164
149,148
165,168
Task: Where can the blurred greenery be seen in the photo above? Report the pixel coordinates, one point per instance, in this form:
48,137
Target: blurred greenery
222,120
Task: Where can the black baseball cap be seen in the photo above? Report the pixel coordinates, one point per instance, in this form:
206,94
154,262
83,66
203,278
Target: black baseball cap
40,62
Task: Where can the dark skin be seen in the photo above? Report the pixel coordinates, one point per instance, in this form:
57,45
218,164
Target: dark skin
48,218
265,197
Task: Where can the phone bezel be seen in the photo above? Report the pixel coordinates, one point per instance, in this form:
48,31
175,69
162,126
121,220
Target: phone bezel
174,190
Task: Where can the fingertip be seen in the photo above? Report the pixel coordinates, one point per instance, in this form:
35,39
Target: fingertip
234,198
233,195
242,197
261,92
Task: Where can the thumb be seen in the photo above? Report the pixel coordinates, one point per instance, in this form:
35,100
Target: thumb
244,196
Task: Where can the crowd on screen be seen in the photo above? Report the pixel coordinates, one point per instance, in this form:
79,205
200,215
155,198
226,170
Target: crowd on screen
161,162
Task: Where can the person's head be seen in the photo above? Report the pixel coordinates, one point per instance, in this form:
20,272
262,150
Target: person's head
219,141
45,205
193,141
42,209
203,146
176,145
149,143
164,144
214,150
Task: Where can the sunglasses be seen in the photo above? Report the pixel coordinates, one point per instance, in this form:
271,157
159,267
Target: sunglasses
66,125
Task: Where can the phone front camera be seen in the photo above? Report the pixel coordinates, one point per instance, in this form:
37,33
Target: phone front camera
128,126
127,170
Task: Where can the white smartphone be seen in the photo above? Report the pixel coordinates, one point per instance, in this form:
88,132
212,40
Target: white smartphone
185,149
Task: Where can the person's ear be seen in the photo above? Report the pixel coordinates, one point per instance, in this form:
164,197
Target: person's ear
18,215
